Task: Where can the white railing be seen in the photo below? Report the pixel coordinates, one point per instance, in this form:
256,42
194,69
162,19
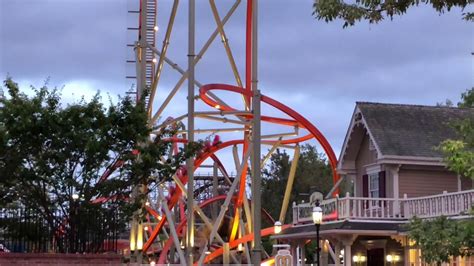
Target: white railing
448,204
369,208
302,213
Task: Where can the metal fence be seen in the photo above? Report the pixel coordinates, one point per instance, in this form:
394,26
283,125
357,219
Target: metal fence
88,230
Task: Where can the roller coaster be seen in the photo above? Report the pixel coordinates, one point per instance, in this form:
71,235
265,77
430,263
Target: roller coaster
199,219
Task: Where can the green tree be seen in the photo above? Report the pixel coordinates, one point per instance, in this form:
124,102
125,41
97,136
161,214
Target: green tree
375,11
55,158
441,238
459,152
312,173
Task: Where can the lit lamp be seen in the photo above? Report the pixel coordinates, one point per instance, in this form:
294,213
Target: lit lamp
359,259
317,220
392,258
132,237
140,237
277,228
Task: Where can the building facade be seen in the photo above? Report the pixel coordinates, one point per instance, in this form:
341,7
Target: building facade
395,171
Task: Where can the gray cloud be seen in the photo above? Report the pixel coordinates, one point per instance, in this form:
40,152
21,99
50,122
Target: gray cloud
315,67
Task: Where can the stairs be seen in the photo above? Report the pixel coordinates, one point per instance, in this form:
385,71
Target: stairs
150,11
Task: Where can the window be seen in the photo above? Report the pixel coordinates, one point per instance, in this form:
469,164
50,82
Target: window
374,185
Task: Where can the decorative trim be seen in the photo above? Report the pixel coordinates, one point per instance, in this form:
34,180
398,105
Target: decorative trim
413,160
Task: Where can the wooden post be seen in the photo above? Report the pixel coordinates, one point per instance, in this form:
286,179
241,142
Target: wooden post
405,206
337,251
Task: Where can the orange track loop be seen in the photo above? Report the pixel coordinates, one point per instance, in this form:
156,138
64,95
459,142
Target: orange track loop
301,121
247,238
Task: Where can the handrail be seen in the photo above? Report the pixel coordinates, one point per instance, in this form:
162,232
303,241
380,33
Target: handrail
443,194
449,204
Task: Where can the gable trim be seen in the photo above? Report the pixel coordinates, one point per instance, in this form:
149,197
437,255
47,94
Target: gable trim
347,138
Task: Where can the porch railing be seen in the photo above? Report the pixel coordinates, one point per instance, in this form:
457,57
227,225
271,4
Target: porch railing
448,204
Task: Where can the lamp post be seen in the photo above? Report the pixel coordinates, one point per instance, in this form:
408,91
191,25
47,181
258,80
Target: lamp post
317,220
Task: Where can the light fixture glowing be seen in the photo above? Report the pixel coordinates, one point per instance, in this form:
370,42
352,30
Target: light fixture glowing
359,258
147,203
140,237
75,196
154,60
277,228
156,28
317,215
146,228
389,258
132,237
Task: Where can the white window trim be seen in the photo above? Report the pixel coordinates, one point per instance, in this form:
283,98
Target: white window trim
373,169
370,188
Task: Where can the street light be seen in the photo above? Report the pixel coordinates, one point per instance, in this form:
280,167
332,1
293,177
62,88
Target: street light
317,220
277,228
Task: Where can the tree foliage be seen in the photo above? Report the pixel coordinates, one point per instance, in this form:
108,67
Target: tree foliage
55,157
459,153
375,10
441,238
312,173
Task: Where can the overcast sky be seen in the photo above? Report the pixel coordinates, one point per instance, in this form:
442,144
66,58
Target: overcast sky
317,68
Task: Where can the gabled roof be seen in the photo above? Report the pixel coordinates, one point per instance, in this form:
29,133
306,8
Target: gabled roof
411,130
400,132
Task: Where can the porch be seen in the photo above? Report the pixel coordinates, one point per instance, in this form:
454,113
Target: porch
358,208
358,230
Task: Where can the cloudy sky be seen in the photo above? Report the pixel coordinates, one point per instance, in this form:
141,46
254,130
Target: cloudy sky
317,68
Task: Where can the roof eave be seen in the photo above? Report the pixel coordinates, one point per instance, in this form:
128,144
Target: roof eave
413,160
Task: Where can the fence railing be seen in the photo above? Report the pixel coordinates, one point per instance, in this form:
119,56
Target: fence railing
447,204
85,231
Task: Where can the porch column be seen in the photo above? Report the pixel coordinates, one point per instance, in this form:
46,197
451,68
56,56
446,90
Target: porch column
347,242
406,255
303,252
347,255
294,254
396,188
337,251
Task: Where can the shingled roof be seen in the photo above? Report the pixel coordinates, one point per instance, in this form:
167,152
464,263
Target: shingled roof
411,130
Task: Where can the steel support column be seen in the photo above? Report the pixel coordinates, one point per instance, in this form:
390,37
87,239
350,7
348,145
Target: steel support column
256,135
190,161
